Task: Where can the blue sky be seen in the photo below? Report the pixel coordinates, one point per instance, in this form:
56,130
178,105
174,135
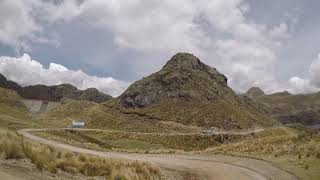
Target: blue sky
110,44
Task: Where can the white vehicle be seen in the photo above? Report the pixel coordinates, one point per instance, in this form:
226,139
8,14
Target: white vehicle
77,124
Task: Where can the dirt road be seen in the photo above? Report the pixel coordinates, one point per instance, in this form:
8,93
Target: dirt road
199,166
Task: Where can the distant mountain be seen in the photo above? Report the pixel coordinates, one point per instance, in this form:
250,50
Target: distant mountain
288,108
54,93
4,83
254,92
188,91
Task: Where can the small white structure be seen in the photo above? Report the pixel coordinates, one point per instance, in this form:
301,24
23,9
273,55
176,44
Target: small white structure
77,124
210,130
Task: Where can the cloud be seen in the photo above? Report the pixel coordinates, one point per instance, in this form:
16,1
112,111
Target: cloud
24,21
26,71
207,28
16,23
218,31
309,84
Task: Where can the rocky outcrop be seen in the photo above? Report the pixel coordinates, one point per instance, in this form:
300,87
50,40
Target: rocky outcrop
48,93
190,92
184,77
254,92
7,84
91,94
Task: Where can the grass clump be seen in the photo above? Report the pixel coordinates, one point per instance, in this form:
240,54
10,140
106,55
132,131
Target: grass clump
296,149
10,145
53,160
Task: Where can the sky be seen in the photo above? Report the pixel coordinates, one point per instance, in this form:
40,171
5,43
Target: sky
110,44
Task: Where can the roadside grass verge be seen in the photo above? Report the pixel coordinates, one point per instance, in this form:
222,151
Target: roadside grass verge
54,160
139,142
295,148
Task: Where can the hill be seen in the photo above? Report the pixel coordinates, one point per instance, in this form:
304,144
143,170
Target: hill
190,92
7,84
54,93
254,92
63,91
288,108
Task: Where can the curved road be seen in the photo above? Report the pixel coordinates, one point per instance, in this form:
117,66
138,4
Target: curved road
200,166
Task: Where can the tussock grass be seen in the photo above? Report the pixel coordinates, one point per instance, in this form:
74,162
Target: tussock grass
10,145
277,142
48,158
296,149
54,160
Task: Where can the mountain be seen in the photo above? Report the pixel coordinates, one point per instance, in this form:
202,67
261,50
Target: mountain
4,83
288,108
254,92
62,91
184,77
54,93
190,92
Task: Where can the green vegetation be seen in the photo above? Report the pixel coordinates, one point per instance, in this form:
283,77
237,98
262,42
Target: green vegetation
190,92
219,114
106,116
13,114
287,108
139,142
48,158
295,149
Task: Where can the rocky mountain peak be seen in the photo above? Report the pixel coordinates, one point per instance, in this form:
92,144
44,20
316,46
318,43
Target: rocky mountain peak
184,77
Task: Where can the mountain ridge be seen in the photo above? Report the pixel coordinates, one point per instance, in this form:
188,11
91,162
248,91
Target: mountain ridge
55,92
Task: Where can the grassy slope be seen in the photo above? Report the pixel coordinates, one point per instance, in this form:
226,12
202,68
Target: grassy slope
291,99
13,114
291,102
295,149
107,117
125,141
221,114
288,108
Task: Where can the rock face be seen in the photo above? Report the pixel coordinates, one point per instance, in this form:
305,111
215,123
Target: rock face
190,92
4,83
184,77
254,92
54,93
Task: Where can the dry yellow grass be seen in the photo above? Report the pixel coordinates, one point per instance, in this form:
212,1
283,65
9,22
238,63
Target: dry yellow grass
46,157
10,145
295,149
54,160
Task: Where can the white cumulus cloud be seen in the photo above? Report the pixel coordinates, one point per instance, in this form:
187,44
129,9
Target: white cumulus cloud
27,71
310,83
218,31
